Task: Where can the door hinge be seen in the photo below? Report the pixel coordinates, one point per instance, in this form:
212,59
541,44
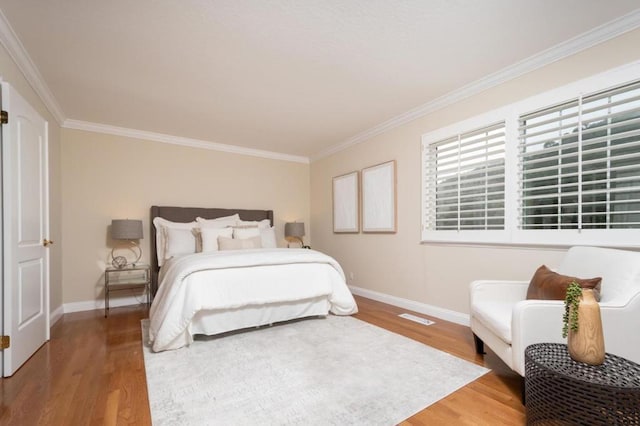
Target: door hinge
4,117
5,342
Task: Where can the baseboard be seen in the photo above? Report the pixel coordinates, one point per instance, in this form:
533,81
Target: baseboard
56,315
90,305
423,308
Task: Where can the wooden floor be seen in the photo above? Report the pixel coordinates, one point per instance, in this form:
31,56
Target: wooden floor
92,373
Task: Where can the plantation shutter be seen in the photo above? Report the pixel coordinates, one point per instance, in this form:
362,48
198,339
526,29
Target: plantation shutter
579,163
465,181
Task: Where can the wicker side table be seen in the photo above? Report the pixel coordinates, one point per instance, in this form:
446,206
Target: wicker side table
561,391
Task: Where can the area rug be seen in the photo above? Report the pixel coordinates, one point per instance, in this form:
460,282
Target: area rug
321,371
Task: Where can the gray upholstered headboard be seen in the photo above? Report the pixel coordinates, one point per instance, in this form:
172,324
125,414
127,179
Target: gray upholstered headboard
189,214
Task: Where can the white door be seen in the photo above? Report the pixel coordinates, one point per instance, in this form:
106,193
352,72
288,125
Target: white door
25,225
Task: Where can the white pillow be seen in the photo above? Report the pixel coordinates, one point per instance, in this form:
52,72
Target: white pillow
161,223
268,237
219,222
242,233
178,241
234,244
210,237
263,224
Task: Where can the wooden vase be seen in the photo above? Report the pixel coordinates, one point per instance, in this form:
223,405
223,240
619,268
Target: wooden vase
587,344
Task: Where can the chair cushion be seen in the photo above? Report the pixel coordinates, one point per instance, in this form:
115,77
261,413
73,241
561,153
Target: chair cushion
619,269
549,285
496,316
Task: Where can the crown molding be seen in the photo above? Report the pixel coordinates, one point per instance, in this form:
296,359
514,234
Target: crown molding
18,53
178,140
565,49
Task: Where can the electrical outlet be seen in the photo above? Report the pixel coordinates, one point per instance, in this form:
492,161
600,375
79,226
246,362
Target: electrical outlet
352,276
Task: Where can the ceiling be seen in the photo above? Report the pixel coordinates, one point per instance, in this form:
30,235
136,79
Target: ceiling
287,76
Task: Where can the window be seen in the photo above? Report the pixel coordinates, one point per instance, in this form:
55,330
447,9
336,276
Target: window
466,181
561,168
580,163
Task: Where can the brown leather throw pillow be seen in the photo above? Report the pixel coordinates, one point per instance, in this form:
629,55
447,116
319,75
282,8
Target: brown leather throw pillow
549,285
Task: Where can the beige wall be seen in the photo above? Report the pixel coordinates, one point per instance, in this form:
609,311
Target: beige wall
110,177
95,178
439,275
11,74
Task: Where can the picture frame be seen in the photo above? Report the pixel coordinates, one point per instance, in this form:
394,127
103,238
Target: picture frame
379,199
346,203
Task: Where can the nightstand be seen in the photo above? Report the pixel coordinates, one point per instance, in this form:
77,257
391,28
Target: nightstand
559,390
130,277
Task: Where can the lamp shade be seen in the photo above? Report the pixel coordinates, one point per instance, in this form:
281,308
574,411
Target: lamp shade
126,229
294,229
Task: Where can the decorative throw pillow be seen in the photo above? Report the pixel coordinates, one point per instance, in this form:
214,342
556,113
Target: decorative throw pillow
242,233
196,233
262,224
239,244
268,237
219,222
549,285
161,224
210,238
178,241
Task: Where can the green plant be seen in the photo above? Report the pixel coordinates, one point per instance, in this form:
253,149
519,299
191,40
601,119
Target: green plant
571,303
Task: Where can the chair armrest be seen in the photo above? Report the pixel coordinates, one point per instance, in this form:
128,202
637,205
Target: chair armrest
492,290
535,321
540,321
619,325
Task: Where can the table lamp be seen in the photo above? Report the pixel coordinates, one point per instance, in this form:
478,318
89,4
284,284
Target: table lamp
128,230
294,231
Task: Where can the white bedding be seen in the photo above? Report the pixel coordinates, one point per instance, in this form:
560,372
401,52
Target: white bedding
230,280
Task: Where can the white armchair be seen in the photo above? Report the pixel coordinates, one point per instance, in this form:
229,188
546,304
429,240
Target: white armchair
504,320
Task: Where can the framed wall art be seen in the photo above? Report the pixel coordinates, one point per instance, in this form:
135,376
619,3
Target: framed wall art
346,203
379,198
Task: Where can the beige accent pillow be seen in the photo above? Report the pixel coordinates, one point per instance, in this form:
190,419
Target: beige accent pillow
239,244
198,237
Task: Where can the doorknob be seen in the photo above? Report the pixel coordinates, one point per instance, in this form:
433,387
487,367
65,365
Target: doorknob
46,242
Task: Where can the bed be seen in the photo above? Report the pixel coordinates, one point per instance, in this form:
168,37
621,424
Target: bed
219,291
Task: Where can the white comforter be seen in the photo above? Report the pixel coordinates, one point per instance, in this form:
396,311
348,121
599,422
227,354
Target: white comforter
201,281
